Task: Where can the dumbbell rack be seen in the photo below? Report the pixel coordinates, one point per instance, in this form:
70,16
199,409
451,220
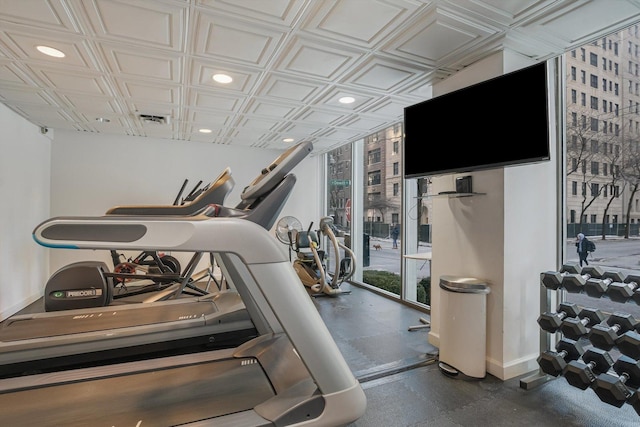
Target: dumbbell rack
602,354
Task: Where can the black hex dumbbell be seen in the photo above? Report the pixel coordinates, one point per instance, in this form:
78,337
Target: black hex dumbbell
554,362
623,290
597,288
582,374
613,389
551,322
629,344
634,401
605,336
636,296
576,327
574,283
553,279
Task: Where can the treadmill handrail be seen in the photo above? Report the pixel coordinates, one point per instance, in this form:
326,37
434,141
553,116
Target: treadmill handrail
198,233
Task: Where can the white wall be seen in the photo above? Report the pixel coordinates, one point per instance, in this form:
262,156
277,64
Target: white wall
80,174
506,237
24,191
93,172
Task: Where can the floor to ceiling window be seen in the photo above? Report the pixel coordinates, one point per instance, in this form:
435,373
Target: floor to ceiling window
602,142
365,198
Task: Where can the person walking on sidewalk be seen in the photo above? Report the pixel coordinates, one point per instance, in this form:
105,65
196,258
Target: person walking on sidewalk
582,246
395,233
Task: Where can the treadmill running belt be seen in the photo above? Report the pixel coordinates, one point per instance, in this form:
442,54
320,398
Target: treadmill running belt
27,327
163,397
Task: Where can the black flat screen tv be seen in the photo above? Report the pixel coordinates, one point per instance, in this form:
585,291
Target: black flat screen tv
500,122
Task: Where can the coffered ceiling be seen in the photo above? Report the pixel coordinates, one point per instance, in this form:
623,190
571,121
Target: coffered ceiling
145,67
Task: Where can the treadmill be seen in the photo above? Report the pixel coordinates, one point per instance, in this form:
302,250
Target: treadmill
52,341
291,374
214,193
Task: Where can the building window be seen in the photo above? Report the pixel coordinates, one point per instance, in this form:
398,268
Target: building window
396,147
396,168
396,189
374,156
594,124
594,102
593,79
373,178
593,59
595,168
594,219
574,188
595,189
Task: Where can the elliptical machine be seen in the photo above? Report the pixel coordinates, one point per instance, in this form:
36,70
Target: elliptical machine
311,259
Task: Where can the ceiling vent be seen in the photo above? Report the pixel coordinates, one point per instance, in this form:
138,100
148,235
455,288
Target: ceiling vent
153,119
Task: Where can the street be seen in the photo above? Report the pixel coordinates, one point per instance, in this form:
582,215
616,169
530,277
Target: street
615,254
385,258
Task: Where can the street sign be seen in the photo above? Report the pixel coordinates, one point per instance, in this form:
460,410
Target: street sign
342,182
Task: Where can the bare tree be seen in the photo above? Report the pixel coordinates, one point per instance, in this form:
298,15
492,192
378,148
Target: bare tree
631,174
582,150
379,204
613,154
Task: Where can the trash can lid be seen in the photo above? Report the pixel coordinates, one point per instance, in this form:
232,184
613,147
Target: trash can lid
467,285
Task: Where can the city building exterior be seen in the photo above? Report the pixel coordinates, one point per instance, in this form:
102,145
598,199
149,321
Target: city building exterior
603,130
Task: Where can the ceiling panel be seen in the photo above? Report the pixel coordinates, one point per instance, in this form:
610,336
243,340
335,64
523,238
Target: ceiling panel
290,60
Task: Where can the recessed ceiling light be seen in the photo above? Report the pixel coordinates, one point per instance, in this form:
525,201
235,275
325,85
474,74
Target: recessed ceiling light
222,78
51,51
204,130
102,120
347,100
287,140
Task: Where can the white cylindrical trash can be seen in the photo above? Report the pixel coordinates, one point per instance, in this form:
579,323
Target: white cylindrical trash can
463,330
